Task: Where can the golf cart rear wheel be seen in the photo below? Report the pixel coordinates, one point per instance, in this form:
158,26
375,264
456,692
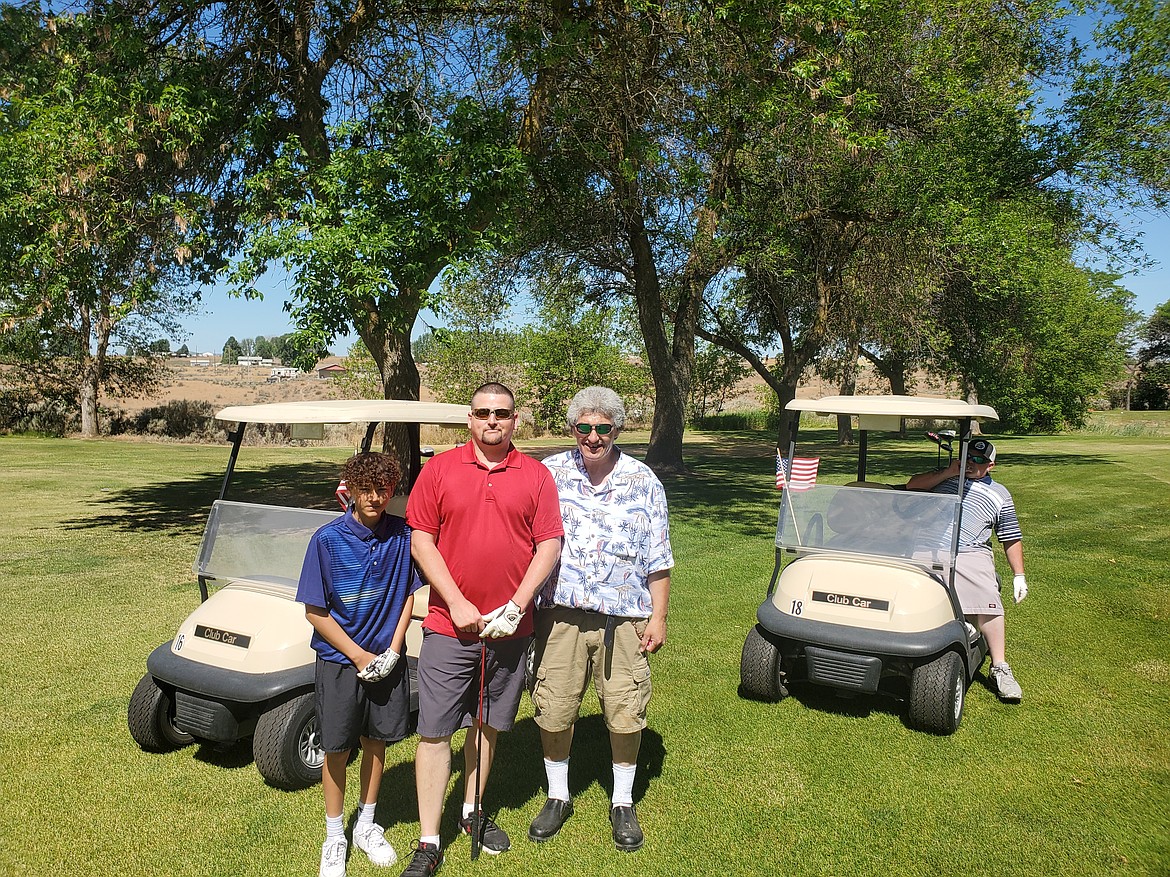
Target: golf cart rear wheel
151,718
759,668
937,692
287,745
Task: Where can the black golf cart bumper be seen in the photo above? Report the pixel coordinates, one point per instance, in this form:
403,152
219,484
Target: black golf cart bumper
214,703
856,658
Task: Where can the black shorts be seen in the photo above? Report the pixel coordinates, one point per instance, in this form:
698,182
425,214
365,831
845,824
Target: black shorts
348,708
448,683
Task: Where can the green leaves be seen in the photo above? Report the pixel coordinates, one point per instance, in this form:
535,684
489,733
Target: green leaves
365,232
101,209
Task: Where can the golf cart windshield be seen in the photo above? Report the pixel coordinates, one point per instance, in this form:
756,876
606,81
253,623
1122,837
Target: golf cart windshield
258,543
870,521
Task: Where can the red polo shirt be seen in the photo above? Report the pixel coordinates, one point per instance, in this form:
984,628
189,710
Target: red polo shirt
486,524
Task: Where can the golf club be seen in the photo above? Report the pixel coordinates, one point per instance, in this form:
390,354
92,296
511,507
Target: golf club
475,821
943,440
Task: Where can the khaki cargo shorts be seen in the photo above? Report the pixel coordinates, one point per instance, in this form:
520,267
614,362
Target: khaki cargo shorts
570,647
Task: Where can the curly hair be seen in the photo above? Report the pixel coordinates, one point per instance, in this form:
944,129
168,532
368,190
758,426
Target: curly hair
597,400
371,469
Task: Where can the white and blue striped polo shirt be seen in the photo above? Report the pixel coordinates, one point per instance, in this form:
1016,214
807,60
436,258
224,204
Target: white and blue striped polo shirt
362,577
987,508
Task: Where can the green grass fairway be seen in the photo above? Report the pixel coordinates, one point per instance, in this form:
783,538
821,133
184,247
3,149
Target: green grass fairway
96,545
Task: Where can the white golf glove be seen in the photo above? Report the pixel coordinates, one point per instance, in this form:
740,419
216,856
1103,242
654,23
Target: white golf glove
1020,585
503,621
379,668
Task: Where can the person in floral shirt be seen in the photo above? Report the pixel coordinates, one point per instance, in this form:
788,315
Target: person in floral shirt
603,611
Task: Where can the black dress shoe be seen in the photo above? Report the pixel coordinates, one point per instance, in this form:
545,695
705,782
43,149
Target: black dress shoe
550,819
627,834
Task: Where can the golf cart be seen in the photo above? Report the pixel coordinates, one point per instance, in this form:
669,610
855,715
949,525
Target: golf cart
862,597
241,664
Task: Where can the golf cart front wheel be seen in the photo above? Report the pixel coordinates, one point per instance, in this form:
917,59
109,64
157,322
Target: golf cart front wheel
937,693
151,718
287,745
759,668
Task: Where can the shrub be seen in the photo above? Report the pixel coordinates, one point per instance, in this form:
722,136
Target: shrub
178,419
22,410
739,420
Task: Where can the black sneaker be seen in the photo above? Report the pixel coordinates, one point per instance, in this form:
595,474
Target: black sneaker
426,861
492,838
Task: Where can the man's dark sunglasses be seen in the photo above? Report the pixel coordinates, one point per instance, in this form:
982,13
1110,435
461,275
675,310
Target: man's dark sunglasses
978,460
601,428
485,413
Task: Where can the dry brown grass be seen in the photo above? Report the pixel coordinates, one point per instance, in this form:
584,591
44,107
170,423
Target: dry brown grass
229,385
223,385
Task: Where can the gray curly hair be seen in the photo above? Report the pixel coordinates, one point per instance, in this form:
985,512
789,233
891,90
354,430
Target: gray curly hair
598,400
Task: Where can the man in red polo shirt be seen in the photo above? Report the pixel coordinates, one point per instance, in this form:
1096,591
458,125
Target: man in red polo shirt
486,528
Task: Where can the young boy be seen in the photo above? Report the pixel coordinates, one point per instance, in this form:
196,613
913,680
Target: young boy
358,584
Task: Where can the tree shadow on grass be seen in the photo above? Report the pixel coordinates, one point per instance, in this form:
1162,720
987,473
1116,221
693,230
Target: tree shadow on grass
731,481
517,776
184,505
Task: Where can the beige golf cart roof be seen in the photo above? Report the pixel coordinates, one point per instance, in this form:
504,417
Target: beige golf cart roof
349,411
870,407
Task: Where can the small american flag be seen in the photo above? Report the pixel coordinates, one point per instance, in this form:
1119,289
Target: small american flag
342,494
803,474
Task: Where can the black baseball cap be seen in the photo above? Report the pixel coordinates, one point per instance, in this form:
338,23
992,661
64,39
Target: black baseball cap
983,448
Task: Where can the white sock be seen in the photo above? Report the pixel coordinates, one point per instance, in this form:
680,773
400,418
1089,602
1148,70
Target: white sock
623,785
432,839
334,826
558,779
366,813
468,809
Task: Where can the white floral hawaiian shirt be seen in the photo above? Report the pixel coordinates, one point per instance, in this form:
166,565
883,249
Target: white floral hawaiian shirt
616,535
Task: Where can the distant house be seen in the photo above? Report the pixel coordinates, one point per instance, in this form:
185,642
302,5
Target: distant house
331,371
201,362
248,360
281,373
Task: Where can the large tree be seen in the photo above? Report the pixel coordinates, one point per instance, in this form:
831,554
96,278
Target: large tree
106,135
1152,385
635,160
952,181
371,162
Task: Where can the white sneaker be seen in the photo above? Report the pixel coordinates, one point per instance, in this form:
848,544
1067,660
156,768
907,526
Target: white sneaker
1005,683
333,857
370,840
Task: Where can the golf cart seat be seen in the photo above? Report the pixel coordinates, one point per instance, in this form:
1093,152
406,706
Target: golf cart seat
861,520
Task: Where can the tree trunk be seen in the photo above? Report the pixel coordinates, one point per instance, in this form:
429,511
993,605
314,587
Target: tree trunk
389,347
785,387
972,397
848,388
670,364
91,365
893,368
87,393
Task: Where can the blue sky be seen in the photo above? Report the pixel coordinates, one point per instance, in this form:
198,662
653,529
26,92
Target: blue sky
223,316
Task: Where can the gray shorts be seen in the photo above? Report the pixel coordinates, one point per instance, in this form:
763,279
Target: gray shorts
977,584
348,709
448,683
